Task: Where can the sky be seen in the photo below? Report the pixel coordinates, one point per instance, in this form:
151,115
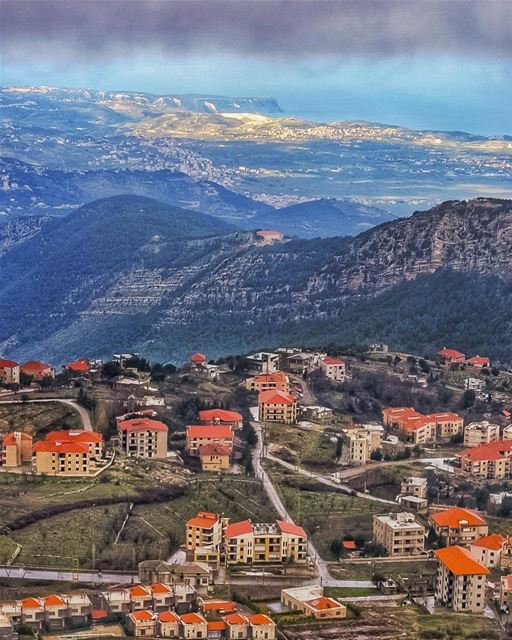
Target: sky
431,64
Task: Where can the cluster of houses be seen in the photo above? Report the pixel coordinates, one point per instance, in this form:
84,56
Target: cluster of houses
296,361
212,539
10,371
448,357
423,429
466,555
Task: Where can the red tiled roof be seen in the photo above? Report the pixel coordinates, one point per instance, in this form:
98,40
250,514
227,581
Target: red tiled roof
198,358
293,529
450,353
141,424
460,562
192,618
54,601
332,360
238,529
413,423
323,603
139,590
10,438
99,614
213,431
142,616
81,365
276,376
444,417
235,618
8,364
33,366
216,625
209,415
493,542
220,605
490,451
159,587
349,544
168,616
401,412
74,436
203,520
31,603
214,450
275,397
478,360
260,618
269,233
454,517
60,447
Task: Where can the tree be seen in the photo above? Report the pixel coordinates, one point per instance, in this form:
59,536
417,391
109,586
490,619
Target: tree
482,498
339,448
376,454
111,370
336,547
468,399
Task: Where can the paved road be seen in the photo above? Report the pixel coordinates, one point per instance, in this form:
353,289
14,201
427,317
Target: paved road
84,415
96,577
308,397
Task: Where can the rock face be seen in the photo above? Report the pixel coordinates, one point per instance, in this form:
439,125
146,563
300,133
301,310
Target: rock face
130,272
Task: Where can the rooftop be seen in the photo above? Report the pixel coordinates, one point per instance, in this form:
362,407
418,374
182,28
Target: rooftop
456,517
460,562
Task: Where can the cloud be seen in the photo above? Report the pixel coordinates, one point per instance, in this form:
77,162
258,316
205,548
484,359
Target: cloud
288,30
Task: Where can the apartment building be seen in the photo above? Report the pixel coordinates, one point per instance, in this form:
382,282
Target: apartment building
422,429
460,580
202,435
312,602
265,543
277,406
458,526
62,459
37,370
399,533
204,535
92,439
488,550
215,457
489,461
361,440
15,449
447,424
333,368
506,592
277,381
9,372
478,433
222,416
262,362
414,486
142,437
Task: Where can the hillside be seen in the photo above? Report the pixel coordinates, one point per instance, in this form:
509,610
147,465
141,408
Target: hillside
143,275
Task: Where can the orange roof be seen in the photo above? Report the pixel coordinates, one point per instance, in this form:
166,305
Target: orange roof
289,527
10,438
54,601
192,618
238,529
478,360
141,424
74,436
60,447
198,358
331,360
235,618
8,364
139,590
323,603
444,416
99,614
203,520
212,431
489,451
275,376
275,397
209,415
217,625
349,544
453,518
260,618
33,366
450,353
31,603
159,587
220,605
401,412
81,365
168,616
413,423
493,542
214,450
460,562
142,616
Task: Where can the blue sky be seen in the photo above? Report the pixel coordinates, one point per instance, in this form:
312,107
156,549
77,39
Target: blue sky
431,64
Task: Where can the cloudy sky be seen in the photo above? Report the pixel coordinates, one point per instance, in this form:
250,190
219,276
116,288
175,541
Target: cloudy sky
439,64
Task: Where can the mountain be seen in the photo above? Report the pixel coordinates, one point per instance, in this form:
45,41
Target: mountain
132,273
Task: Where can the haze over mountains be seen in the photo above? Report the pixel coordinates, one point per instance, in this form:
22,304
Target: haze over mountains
140,274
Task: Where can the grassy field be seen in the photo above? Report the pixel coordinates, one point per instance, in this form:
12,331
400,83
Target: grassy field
311,448
350,592
360,571
36,418
7,548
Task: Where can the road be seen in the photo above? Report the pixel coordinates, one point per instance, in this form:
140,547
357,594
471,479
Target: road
308,397
96,577
84,415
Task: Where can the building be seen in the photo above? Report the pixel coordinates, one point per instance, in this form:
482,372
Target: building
506,592
277,406
277,381
479,362
478,433
474,384
414,486
262,362
316,413
333,368
221,416
361,441
269,236
52,612
62,459
262,627
204,534
237,626
142,623
15,449
447,424
142,437
193,626
460,580
37,370
414,503
9,372
78,367
399,534
422,429
168,624
489,461
300,362
92,439
196,574
458,526
450,356
215,457
201,435
312,602
7,631
198,359
487,550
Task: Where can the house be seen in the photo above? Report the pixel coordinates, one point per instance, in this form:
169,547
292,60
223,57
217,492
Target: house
141,597
414,486
460,580
269,236
37,370
262,362
333,368
198,359
277,406
414,503
450,356
217,608
447,424
237,626
215,457
79,608
9,372
487,550
216,629
262,627
196,574
62,459
361,441
142,437
221,416
479,362
168,624
300,362
506,592
474,384
489,461
56,611
399,533
143,623
79,367
193,626
92,439
277,381
15,449
312,602
478,433
7,631
201,435
204,535
117,601
421,429
458,526
316,413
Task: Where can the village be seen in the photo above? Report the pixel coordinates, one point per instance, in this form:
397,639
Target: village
278,494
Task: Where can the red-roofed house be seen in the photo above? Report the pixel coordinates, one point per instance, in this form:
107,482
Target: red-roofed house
278,381
78,367
215,457
168,624
460,580
201,435
312,602
277,406
142,623
141,597
333,368
479,362
490,461
9,372
458,526
262,627
194,626
204,535
92,439
56,611
37,370
62,459
15,449
239,542
221,416
487,550
450,356
143,437
198,358
237,626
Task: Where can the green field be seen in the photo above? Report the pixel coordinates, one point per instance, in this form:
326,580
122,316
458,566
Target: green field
37,418
310,448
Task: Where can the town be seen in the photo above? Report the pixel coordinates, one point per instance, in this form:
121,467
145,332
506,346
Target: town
288,493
